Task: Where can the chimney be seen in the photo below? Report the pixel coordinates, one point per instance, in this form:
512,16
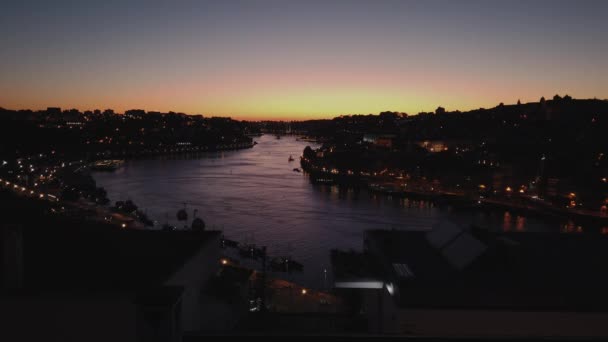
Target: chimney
12,256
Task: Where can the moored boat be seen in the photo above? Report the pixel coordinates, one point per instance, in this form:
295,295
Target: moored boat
284,264
229,243
249,251
107,165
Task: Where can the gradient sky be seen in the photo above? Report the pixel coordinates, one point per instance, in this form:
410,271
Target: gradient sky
299,59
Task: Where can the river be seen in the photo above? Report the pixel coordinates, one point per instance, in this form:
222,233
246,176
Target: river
254,196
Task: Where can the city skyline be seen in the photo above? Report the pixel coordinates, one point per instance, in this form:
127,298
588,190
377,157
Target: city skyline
173,170
296,61
139,111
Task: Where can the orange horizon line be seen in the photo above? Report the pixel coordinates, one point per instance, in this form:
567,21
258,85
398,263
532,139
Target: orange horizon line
278,118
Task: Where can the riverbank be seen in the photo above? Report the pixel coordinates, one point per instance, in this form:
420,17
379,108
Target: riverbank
71,188
174,150
522,203
254,196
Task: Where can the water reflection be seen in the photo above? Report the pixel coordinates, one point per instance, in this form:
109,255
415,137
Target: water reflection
254,194
520,223
506,226
571,227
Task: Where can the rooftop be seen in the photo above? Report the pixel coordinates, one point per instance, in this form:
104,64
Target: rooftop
355,270
67,259
516,270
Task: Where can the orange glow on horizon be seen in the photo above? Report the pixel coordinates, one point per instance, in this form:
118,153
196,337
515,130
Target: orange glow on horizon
292,108
273,97
282,92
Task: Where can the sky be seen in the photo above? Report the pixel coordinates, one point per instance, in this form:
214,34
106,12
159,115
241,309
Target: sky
271,59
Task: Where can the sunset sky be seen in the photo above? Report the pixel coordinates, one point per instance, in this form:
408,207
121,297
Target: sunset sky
299,59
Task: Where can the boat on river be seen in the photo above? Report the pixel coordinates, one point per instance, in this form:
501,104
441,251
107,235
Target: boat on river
107,165
290,158
284,264
250,251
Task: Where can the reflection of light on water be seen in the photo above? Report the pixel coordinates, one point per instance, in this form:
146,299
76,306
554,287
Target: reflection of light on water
408,203
569,227
334,190
506,222
520,223
264,196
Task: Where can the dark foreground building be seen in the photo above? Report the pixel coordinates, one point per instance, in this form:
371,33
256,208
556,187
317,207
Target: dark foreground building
69,284
452,282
